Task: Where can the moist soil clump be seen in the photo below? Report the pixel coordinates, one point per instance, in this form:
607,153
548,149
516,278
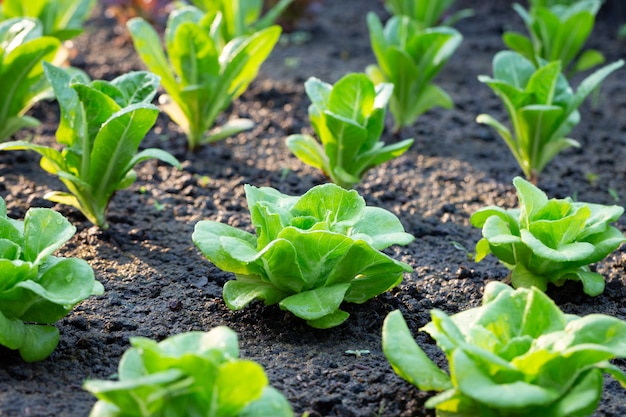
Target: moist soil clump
157,283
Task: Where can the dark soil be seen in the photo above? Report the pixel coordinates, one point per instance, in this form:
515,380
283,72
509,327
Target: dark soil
158,284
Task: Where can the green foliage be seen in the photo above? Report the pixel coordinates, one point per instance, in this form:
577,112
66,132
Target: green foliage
427,13
349,119
517,355
189,374
541,105
62,19
102,124
549,240
201,78
22,81
309,254
409,57
36,288
557,31
242,17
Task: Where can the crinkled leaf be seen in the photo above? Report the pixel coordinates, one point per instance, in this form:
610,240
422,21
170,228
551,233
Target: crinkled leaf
45,231
316,303
229,382
380,229
229,248
242,291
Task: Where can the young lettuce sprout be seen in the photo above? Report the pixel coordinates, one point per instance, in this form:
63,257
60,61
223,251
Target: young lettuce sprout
516,355
541,105
201,78
242,17
427,13
189,374
36,288
348,118
310,253
102,125
61,19
549,241
409,57
22,81
557,32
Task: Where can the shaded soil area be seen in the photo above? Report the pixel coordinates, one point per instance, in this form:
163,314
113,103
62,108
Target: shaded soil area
158,284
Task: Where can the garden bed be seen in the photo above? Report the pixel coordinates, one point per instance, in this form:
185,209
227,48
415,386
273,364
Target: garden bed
158,284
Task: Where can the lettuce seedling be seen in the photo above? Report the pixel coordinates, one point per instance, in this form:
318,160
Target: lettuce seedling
349,118
557,32
201,78
242,17
516,355
409,57
541,106
102,124
62,19
427,13
36,288
547,241
310,252
189,374
22,81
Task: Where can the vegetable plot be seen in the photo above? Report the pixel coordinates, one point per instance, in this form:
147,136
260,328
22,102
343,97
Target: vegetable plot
549,241
36,288
516,355
309,254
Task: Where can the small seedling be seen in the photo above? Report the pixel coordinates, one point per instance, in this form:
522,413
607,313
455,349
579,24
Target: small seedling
357,353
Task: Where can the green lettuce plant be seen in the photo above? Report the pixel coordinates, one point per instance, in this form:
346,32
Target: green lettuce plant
409,57
102,124
549,241
242,17
37,288
557,32
516,355
310,253
427,13
541,105
62,19
349,119
189,374
201,78
22,81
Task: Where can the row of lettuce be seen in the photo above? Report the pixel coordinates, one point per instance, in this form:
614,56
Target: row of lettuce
518,354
